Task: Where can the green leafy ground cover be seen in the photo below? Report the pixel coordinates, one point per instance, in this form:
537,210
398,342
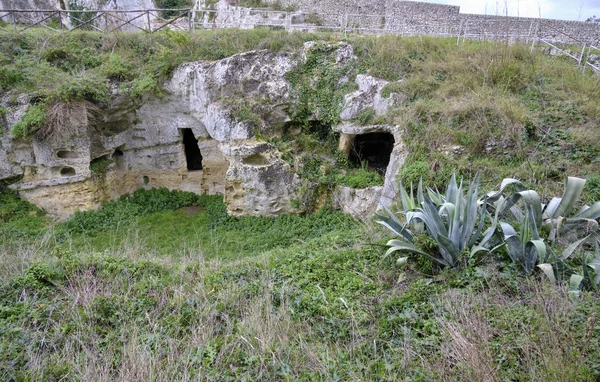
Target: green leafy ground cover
145,290
157,293
510,111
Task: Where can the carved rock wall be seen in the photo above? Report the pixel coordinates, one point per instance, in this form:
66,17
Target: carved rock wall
140,143
145,145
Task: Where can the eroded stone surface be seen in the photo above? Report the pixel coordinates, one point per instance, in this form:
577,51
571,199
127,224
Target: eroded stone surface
360,203
369,95
366,202
143,140
139,143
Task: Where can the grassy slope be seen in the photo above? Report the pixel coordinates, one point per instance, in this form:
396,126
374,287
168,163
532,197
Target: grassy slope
154,294
512,112
172,296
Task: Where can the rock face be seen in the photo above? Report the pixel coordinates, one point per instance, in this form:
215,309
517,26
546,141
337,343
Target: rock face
363,203
369,95
257,181
141,144
205,135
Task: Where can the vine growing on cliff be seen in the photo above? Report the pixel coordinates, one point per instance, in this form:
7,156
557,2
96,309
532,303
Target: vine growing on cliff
318,86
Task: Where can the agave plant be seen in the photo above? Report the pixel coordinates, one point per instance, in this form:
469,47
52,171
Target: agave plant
557,216
524,248
455,223
527,248
558,269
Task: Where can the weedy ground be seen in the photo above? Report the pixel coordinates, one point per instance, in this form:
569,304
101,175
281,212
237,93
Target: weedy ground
497,109
168,293
144,290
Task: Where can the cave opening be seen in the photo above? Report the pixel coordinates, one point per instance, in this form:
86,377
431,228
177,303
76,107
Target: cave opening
66,154
372,150
67,171
193,156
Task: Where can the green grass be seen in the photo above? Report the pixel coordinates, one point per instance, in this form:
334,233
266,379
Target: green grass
19,218
204,296
145,290
173,233
512,112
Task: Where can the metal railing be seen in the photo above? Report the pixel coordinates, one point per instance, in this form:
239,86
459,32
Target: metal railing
575,41
147,20
152,20
588,63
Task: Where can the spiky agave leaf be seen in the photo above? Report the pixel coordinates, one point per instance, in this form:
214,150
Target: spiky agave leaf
524,248
398,245
394,224
595,265
548,271
574,284
494,196
454,221
588,212
564,205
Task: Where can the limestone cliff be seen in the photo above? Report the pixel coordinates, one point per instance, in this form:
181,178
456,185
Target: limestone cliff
193,138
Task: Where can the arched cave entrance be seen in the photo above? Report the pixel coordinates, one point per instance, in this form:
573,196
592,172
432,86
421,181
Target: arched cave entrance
192,151
373,148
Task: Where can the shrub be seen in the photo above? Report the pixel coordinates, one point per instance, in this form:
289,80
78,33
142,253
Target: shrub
87,86
9,77
19,218
360,179
30,122
80,20
412,172
366,116
144,85
169,4
116,68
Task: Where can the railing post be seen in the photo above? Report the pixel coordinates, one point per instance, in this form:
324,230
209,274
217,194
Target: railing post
535,37
148,19
14,21
530,30
582,54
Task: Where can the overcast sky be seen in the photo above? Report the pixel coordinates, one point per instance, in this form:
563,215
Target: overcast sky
551,9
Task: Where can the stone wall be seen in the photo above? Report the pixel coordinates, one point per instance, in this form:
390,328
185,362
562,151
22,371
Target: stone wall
421,18
397,16
552,30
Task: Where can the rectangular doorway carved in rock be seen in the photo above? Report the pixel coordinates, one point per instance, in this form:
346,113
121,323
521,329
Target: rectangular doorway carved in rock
372,149
192,151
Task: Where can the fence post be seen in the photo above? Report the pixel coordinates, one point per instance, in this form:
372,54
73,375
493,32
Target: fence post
14,20
530,30
60,20
148,19
189,12
459,30
535,36
582,54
